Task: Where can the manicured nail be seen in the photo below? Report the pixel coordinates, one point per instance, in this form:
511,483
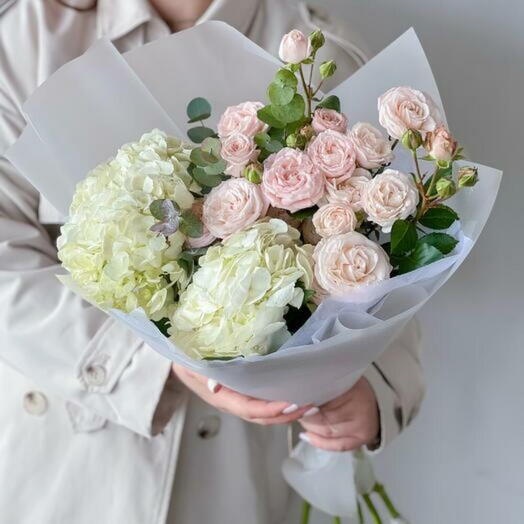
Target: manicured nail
304,437
310,412
290,409
212,385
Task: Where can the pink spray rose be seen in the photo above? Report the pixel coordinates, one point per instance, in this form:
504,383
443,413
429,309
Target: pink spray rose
372,148
333,153
241,118
403,108
440,144
334,219
348,191
238,150
206,237
294,47
291,181
346,262
324,119
232,206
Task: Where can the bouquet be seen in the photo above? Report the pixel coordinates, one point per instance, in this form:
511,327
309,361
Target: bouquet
288,235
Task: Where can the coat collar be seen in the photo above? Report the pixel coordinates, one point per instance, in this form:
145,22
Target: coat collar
116,18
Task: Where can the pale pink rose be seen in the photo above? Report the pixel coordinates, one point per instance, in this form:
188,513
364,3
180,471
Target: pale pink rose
241,118
403,108
309,233
333,153
233,205
291,181
348,191
238,150
440,144
372,148
324,119
390,196
334,219
206,238
343,263
294,47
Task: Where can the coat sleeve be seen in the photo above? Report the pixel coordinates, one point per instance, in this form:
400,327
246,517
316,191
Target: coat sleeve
51,335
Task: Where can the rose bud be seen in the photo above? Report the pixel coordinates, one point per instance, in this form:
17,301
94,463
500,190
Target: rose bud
307,132
317,39
294,47
253,173
411,139
327,69
446,188
467,176
440,145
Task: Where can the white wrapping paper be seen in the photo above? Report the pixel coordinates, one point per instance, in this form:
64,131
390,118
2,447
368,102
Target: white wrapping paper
93,105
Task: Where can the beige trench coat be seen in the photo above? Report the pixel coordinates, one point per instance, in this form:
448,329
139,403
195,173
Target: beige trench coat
90,431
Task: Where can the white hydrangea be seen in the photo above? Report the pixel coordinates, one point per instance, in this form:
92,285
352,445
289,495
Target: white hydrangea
107,245
240,293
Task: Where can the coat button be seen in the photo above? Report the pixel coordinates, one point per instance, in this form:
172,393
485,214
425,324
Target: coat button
95,374
35,403
208,427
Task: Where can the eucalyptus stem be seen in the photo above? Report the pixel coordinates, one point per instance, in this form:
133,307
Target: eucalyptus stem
381,491
306,510
307,91
372,509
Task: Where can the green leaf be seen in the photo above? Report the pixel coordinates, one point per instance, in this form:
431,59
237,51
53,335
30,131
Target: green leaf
187,265
422,255
443,242
280,95
212,146
197,157
440,173
264,141
190,225
403,237
163,209
205,180
266,115
215,169
290,112
439,217
286,78
163,326
302,214
198,134
198,109
330,102
308,295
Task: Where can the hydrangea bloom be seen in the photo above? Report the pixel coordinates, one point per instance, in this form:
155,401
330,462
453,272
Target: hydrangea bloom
107,245
239,295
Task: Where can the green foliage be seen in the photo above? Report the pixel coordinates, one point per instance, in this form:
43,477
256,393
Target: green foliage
330,102
266,115
422,255
264,141
200,133
443,242
290,112
190,225
307,212
198,109
439,217
327,69
403,237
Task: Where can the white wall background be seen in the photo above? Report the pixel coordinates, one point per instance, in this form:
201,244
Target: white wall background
462,460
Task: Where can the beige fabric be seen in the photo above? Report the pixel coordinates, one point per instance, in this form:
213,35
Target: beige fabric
79,392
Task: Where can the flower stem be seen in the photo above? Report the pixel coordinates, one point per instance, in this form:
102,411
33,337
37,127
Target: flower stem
360,514
420,186
306,510
381,491
337,520
372,509
307,91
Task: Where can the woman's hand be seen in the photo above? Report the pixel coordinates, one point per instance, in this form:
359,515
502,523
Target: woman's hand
345,423
247,408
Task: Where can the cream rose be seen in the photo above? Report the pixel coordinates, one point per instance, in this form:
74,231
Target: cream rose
241,118
440,144
238,150
334,219
206,237
371,147
294,47
333,153
403,108
291,181
233,205
390,196
346,262
324,119
348,191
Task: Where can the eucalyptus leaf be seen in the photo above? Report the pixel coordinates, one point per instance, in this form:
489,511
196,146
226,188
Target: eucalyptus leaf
205,180
163,209
403,237
215,169
330,102
190,225
422,255
197,157
264,141
266,115
443,242
439,217
280,95
198,109
290,112
212,146
198,134
187,265
286,78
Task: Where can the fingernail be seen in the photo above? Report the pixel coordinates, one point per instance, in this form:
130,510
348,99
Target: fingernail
310,412
304,437
290,409
212,385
